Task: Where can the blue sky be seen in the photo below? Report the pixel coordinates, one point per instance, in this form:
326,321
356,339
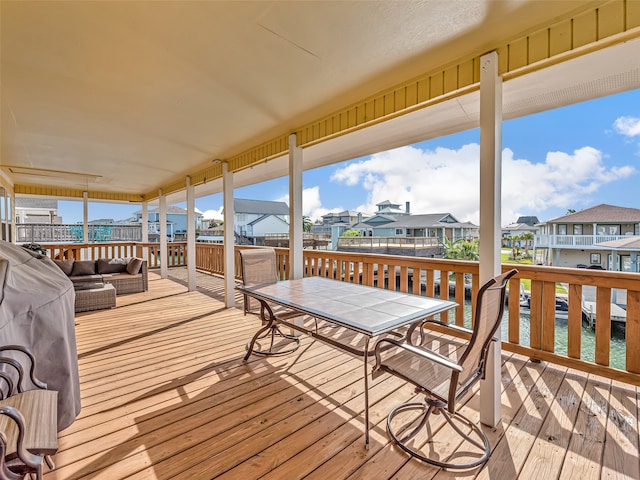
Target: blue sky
569,158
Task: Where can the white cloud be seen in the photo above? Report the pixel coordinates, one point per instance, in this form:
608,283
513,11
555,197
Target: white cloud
213,214
446,180
628,126
311,203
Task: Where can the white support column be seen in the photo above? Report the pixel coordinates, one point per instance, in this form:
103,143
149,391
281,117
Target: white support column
145,231
164,257
12,223
296,244
4,217
191,236
85,217
490,221
229,241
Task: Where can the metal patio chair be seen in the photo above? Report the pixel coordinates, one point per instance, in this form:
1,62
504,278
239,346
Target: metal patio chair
28,416
444,381
259,268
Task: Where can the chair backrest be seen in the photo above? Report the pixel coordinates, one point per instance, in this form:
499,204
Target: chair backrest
258,266
488,315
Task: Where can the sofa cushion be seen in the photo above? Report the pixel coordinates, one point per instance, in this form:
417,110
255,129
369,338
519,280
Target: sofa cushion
133,267
112,265
66,265
83,267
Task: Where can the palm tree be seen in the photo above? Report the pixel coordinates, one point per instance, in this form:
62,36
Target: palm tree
527,237
306,224
514,246
460,249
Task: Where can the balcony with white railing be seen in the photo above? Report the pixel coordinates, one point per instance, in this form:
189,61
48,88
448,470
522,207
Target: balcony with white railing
574,241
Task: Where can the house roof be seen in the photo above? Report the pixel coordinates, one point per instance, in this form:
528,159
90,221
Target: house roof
264,207
430,220
631,243
375,220
128,113
528,220
36,203
601,214
519,227
344,213
170,209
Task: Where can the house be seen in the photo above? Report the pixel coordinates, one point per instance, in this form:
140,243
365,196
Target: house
524,225
37,210
432,225
254,219
176,222
381,234
342,219
582,239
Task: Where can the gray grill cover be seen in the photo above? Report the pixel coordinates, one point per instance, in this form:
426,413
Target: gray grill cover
37,311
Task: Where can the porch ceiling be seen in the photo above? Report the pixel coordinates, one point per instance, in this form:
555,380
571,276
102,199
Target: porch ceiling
124,98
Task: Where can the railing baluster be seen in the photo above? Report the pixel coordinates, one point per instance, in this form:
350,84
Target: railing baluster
514,310
574,327
460,295
535,317
404,279
603,325
633,331
549,316
444,293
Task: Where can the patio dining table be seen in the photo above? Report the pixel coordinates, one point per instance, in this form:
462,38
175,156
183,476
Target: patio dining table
368,311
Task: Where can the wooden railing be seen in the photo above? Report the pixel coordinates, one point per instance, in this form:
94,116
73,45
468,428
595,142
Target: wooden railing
111,232
398,272
176,252
388,242
537,335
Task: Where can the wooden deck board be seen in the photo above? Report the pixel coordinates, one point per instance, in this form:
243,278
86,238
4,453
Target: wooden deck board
165,394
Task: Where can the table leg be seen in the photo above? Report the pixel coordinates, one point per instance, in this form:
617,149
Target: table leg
366,394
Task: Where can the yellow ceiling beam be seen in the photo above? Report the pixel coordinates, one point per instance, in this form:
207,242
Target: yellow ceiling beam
61,192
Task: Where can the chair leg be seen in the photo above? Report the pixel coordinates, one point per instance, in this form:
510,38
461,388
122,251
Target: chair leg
407,431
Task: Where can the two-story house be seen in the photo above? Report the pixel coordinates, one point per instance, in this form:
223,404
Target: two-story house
523,226
254,219
37,210
576,239
176,222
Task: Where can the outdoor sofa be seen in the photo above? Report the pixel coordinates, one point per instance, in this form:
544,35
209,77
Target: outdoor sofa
97,282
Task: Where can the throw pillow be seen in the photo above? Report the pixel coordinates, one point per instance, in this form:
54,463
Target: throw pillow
84,267
66,265
134,266
112,265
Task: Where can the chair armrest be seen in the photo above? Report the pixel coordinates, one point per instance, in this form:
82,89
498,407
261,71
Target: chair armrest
19,367
449,325
434,357
14,444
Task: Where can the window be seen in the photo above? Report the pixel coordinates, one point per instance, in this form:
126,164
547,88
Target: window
562,229
637,229
399,231
577,229
608,230
595,259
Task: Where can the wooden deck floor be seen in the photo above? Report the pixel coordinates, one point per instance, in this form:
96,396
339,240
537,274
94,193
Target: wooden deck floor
165,394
